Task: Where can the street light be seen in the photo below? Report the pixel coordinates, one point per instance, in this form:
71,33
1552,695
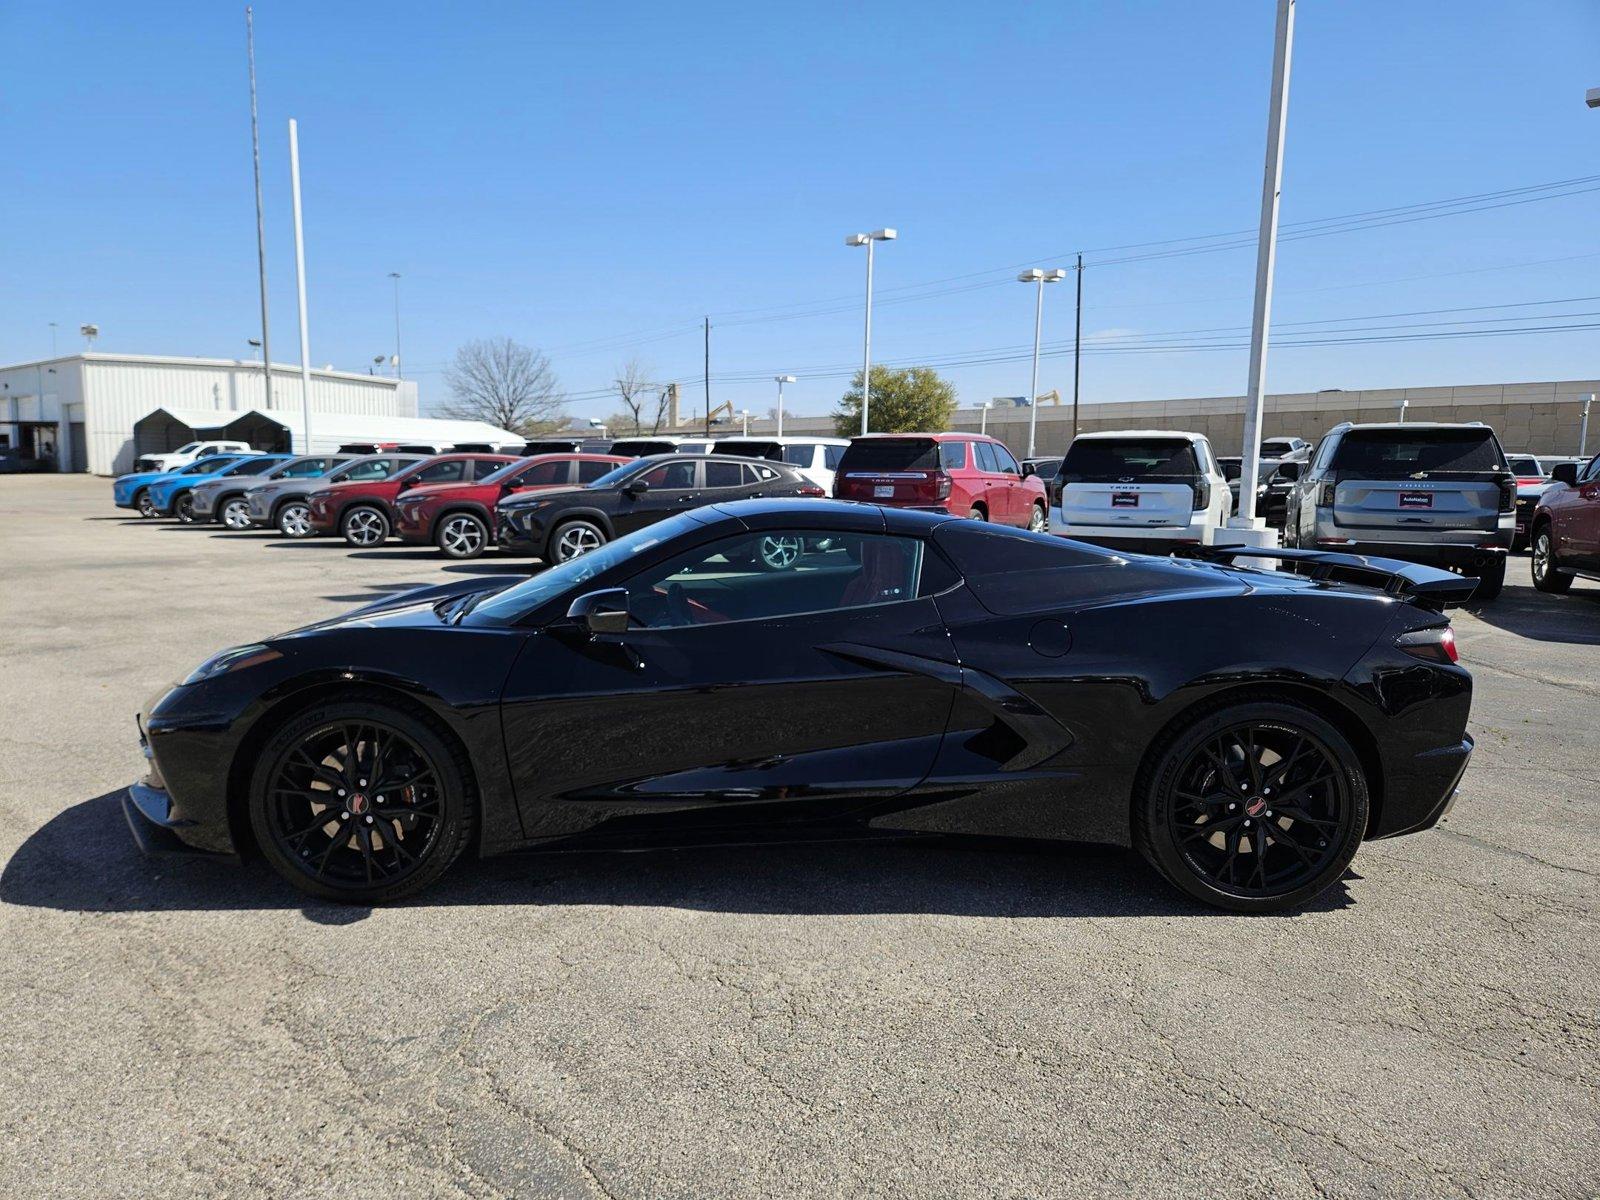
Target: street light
781,380
983,418
1039,278
867,240
89,332
255,342
744,414
395,275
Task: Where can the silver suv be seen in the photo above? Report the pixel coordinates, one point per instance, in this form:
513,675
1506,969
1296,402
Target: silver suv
1439,494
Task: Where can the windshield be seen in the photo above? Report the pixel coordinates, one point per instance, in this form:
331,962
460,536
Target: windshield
1397,454
253,466
188,449
1276,449
1525,465
201,466
1109,459
516,602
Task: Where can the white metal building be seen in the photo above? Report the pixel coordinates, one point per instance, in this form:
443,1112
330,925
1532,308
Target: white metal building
80,410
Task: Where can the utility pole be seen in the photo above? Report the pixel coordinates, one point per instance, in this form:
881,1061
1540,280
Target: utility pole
395,275
300,285
1077,349
261,228
708,376
1245,526
1583,430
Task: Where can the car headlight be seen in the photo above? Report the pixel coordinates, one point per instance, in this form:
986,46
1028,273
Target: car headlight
235,659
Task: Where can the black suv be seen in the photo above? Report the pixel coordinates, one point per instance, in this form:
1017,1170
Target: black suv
563,523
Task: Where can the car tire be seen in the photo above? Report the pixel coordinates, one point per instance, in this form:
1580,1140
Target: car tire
976,514
1184,788
183,508
1038,519
347,858
775,552
574,538
461,535
145,505
1491,580
293,519
364,526
234,513
1548,576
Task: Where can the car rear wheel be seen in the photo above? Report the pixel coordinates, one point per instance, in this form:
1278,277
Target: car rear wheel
1547,576
236,513
1491,580
361,802
145,505
1254,807
364,526
294,520
976,514
183,508
572,539
462,535
1036,519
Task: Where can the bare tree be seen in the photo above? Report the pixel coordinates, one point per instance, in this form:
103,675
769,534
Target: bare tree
504,383
646,402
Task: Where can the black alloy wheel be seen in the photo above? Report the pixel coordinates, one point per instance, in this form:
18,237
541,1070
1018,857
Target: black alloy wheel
360,802
183,508
1255,807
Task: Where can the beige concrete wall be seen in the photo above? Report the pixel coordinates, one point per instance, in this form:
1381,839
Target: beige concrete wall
1542,418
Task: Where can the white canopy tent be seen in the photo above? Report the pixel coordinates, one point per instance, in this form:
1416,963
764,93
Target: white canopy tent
163,429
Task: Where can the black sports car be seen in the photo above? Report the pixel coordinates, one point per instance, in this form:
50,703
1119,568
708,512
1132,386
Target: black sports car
562,523
900,673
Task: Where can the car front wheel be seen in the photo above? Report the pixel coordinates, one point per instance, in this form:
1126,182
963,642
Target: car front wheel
364,526
1254,806
183,508
145,505
360,802
1036,519
573,539
294,520
1547,575
462,535
236,514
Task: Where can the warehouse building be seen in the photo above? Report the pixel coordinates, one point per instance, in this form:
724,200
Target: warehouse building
97,412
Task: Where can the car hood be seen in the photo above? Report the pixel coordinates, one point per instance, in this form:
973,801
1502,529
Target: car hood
527,499
434,489
415,607
144,477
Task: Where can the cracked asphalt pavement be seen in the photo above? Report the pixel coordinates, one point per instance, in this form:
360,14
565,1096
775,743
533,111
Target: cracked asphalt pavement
827,1020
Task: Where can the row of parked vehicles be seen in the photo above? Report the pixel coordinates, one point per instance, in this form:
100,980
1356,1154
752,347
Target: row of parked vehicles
1444,495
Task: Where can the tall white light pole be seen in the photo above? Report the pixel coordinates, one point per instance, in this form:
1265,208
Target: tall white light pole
261,229
300,285
1583,430
983,416
1245,527
1039,278
867,240
781,380
395,275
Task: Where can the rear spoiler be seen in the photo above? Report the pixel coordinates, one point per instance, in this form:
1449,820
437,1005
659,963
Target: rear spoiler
1428,587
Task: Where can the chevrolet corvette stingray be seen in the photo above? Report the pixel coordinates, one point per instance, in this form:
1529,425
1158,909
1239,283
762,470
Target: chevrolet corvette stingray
810,669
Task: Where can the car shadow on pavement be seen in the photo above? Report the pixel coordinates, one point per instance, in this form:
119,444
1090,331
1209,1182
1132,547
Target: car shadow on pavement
1573,619
84,860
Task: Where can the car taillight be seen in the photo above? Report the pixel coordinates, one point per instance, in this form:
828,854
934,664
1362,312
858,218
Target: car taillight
1326,500
942,484
1529,480
1508,495
811,489
1436,645
1202,494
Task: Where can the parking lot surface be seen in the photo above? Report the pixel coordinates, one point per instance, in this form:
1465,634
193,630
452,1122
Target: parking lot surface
820,1021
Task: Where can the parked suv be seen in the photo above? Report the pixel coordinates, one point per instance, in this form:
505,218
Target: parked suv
966,474
188,453
1566,527
459,517
133,489
817,458
363,511
648,444
174,495
563,524
1439,494
285,504
222,499
1141,489
1532,479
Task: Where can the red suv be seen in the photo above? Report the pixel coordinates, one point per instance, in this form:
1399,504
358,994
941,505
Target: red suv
968,474
363,512
459,517
1566,527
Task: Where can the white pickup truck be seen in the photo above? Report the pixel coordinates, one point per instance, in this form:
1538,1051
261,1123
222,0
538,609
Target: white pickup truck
186,454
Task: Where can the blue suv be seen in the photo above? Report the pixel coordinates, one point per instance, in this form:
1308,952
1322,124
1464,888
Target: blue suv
174,496
133,490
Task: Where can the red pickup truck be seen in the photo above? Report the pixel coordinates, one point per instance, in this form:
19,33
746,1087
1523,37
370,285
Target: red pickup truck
363,512
459,517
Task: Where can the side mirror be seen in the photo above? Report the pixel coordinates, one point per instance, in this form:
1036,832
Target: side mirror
636,489
1566,473
1289,471
605,611
1029,469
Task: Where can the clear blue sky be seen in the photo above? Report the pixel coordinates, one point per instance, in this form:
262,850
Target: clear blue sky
592,179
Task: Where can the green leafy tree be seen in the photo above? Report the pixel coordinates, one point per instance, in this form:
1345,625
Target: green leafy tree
913,400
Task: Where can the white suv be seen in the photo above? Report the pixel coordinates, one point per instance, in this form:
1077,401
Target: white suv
186,454
1140,489
817,458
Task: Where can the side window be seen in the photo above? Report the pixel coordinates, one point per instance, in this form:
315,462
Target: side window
832,456
754,474
544,473
984,452
952,455
304,470
723,475
1590,471
671,475
208,448
369,471
1324,454
800,454
768,576
589,471
1004,461
445,472
485,466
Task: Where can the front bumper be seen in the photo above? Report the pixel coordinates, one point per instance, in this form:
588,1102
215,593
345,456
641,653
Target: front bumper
156,831
202,503
510,536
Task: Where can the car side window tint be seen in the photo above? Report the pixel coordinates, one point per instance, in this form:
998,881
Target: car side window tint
768,576
1004,461
588,472
544,473
832,456
445,472
724,474
1325,453
484,466
755,474
952,455
671,475
984,452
